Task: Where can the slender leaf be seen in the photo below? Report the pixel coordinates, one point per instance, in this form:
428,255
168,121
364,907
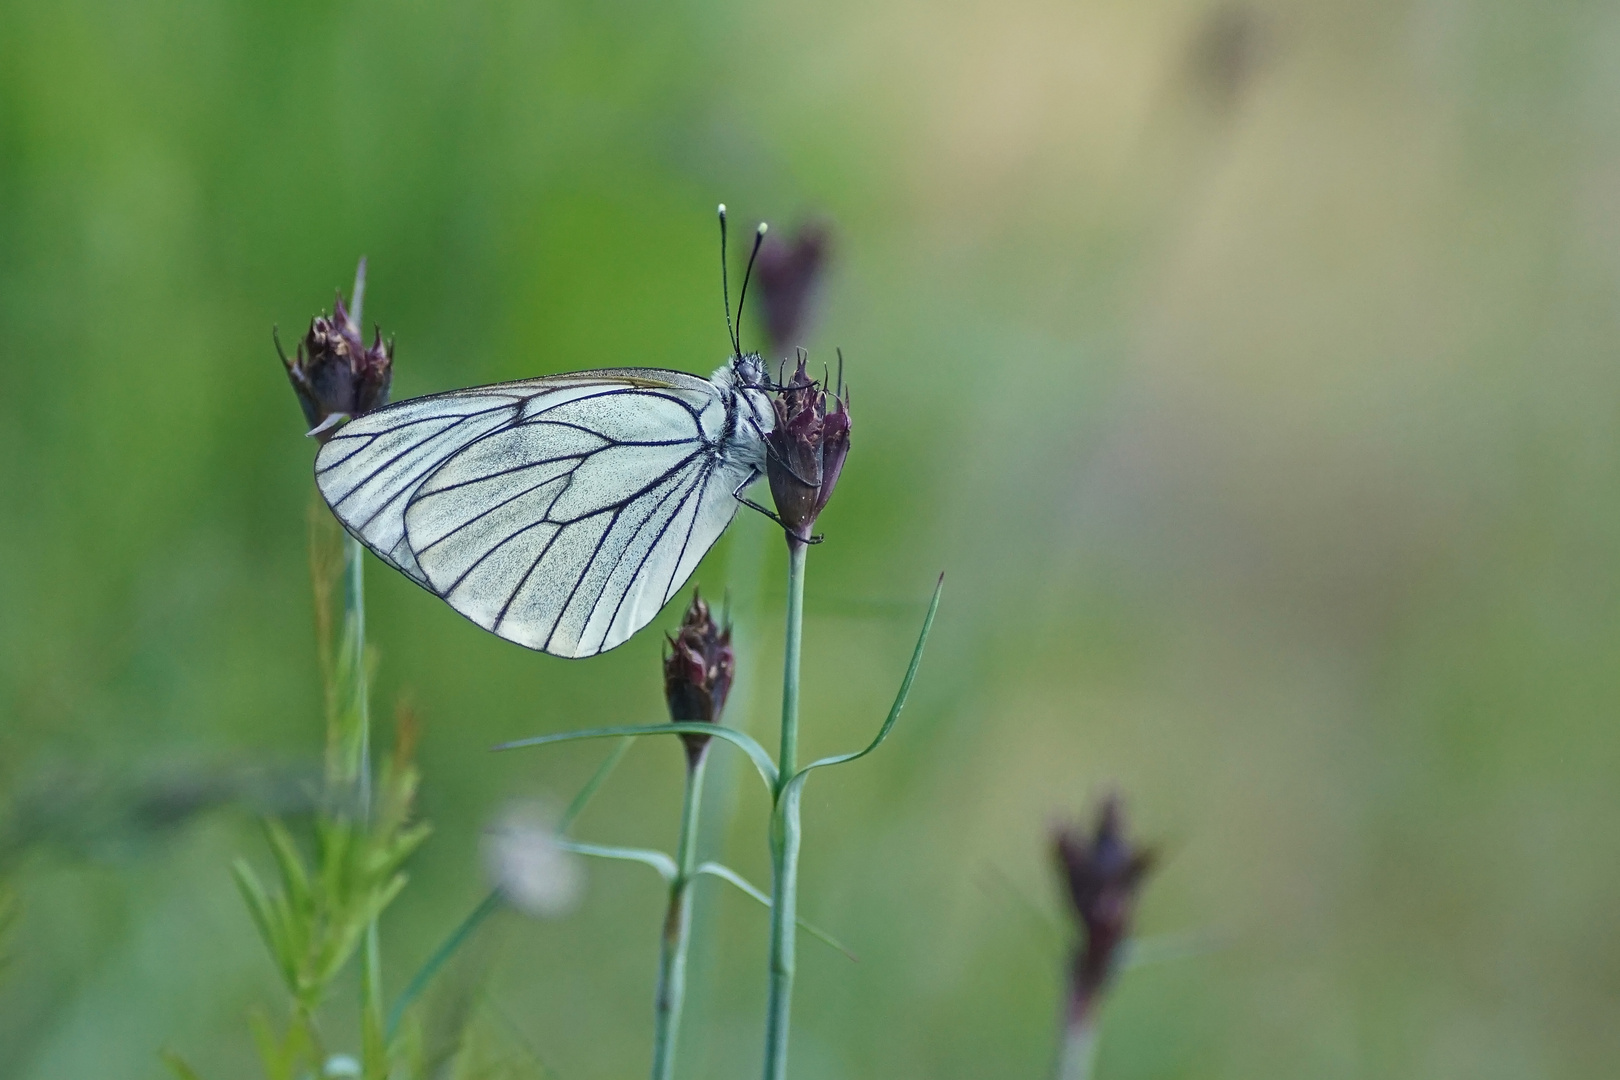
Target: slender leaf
797,781
282,1056
655,859
265,917
611,762
492,902
726,873
289,860
424,975
756,753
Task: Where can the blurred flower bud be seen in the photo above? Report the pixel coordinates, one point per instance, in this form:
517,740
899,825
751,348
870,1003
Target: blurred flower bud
1103,873
790,273
334,374
534,872
698,669
805,451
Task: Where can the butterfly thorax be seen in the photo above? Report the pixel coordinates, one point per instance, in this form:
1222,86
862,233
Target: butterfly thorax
741,381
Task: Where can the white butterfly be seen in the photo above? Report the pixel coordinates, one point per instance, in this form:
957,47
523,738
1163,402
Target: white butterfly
560,512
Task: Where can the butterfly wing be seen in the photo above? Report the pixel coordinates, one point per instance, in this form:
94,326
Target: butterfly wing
559,513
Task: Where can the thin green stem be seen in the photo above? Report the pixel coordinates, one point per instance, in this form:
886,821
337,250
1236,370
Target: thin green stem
424,975
787,760
357,298
576,807
354,639
1079,1049
493,901
785,834
354,613
671,997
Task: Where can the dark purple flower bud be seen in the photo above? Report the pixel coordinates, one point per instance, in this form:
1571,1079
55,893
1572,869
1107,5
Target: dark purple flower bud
790,273
334,374
805,451
698,669
1103,873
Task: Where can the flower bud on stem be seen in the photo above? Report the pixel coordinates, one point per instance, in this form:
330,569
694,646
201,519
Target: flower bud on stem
334,374
699,667
1103,875
804,457
805,451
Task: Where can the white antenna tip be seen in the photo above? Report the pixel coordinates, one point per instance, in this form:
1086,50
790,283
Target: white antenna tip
722,209
762,228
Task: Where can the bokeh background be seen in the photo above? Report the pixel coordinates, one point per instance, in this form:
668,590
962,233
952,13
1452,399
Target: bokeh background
1251,370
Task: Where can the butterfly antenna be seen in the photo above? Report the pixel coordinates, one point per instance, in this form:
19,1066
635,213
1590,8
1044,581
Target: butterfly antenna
725,287
759,238
840,390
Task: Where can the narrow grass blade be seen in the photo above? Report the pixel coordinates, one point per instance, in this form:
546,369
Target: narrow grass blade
493,901
899,699
295,879
726,873
756,753
577,807
424,975
271,924
646,856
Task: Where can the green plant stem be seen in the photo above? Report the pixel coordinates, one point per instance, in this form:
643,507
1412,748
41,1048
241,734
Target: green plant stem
671,997
354,617
610,763
1079,1049
354,614
787,760
492,902
447,948
785,833
354,639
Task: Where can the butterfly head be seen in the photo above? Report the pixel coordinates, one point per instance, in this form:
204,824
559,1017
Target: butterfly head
748,369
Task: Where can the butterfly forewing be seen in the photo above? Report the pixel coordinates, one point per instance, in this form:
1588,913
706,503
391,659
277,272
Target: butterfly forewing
371,466
558,513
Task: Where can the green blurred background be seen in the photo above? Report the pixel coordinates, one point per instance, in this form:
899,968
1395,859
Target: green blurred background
1250,370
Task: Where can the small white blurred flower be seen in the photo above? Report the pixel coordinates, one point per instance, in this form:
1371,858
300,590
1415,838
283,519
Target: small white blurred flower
340,1065
523,859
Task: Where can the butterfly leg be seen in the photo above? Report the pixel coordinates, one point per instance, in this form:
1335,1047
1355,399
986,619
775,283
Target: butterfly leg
737,493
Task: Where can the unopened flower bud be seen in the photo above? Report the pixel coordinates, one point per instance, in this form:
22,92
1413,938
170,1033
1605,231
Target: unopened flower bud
1103,873
805,451
698,669
334,374
524,859
790,273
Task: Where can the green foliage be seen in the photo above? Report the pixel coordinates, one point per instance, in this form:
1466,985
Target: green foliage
784,812
316,914
754,892
312,921
796,782
321,906
757,754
